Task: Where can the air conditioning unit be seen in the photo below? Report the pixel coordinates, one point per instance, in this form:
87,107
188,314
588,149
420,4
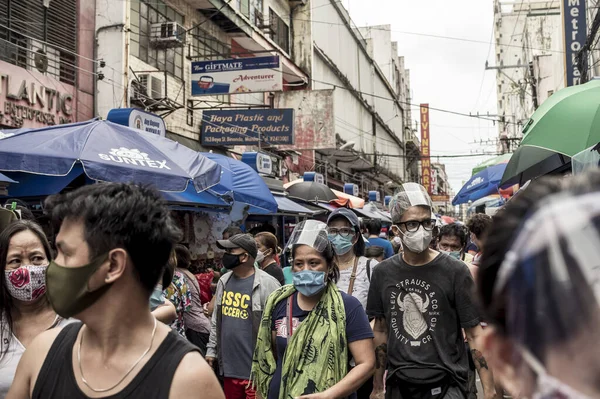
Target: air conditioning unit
167,35
147,87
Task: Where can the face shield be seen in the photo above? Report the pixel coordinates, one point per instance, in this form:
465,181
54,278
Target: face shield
548,286
410,194
309,232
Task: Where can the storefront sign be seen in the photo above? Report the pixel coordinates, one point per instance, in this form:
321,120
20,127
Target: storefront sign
246,127
440,198
31,99
351,189
235,76
138,119
425,160
575,30
313,176
260,162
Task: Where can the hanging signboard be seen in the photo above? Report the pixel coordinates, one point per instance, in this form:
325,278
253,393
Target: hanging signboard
425,160
236,76
313,176
138,119
245,127
575,31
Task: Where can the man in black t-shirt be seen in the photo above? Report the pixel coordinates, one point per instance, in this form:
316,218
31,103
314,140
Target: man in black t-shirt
421,300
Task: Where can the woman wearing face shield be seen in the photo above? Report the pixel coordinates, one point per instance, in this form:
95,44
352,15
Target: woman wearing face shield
343,228
311,329
538,283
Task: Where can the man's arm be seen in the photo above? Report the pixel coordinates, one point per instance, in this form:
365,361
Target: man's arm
485,374
211,348
30,365
380,342
195,379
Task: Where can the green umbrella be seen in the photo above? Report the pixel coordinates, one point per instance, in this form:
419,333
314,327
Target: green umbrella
566,123
504,158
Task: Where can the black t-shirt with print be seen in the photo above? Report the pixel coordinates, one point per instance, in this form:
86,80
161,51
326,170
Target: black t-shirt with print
424,308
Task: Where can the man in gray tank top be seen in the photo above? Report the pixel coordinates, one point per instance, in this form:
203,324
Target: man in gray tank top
113,244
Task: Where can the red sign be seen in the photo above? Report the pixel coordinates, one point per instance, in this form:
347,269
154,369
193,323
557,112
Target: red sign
425,160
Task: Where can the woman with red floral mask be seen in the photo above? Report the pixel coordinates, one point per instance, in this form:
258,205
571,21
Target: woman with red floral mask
25,311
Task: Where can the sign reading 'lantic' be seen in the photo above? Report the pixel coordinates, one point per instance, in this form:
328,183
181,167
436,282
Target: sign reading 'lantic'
29,100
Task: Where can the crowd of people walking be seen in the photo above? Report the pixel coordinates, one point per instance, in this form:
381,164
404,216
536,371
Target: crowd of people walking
118,310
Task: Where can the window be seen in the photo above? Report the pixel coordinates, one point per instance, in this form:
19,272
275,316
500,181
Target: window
28,30
259,19
281,32
244,7
205,47
190,113
143,14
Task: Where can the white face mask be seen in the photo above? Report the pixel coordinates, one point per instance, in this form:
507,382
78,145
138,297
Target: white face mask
549,387
260,256
417,241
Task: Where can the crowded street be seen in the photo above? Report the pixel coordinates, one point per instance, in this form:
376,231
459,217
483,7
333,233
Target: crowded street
299,199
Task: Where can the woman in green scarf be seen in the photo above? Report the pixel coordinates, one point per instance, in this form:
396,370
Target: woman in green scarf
310,330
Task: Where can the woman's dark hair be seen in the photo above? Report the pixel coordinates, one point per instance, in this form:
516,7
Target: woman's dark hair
333,270
169,270
6,301
375,251
268,240
183,256
359,247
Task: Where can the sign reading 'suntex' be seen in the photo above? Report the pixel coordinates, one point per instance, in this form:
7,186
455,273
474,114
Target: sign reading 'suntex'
574,20
244,127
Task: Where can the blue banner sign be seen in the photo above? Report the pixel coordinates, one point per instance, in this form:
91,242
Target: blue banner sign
237,76
244,127
575,28
138,119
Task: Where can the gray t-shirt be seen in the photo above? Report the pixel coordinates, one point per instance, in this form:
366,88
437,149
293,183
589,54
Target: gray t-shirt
236,328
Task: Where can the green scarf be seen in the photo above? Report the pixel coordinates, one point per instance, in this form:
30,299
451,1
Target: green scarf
316,356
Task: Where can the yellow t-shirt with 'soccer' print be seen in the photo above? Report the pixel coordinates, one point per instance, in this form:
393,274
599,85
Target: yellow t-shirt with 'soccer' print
236,327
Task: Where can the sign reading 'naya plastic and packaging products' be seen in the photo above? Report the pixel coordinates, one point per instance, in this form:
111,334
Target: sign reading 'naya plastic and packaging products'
425,160
247,127
235,76
575,30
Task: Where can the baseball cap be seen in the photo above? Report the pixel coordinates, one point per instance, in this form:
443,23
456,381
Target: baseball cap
347,214
244,241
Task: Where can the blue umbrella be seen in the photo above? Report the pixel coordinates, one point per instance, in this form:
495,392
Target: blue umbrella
240,183
480,185
108,152
6,179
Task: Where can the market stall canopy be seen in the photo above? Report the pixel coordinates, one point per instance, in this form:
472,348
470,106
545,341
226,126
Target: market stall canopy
504,158
480,185
343,199
240,183
371,208
6,179
287,206
108,152
33,185
311,191
189,199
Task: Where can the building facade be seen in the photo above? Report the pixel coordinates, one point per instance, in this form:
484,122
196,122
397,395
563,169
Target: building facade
47,70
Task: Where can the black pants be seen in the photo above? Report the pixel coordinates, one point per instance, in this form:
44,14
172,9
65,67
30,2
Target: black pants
199,339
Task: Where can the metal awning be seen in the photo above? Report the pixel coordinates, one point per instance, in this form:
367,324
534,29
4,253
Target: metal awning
288,206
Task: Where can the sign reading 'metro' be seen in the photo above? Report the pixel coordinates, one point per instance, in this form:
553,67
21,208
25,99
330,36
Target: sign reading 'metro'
244,127
575,30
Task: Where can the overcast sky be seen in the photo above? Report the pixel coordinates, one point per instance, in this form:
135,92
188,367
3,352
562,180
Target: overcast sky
447,74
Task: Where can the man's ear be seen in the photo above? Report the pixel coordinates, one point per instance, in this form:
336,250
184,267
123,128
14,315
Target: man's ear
117,262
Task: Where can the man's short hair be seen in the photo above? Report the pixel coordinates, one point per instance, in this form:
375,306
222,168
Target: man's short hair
375,251
455,230
232,231
374,227
478,224
117,215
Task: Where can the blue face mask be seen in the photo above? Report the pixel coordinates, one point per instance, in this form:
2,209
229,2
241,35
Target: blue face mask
309,282
342,245
453,254
156,299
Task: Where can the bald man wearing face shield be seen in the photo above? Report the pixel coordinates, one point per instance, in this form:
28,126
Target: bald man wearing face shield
420,301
